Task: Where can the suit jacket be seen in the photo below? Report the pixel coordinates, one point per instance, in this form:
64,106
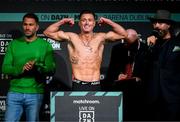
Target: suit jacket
119,59
164,80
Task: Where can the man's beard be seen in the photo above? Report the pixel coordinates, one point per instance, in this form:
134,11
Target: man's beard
159,33
29,35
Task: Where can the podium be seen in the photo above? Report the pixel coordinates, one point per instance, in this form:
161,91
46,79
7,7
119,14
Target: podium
86,106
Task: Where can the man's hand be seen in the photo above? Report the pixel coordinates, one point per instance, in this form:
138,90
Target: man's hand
125,77
69,21
122,76
151,40
28,66
102,20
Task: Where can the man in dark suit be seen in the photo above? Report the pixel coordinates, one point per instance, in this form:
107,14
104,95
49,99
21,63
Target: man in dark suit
129,64
163,84
126,74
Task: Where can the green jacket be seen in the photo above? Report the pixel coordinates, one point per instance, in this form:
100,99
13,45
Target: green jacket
18,53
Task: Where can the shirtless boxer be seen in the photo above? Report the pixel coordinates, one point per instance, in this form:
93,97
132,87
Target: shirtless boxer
86,48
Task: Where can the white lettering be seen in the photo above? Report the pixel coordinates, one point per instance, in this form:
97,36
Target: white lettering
83,108
2,102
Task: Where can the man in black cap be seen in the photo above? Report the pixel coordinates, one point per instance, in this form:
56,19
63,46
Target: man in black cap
163,84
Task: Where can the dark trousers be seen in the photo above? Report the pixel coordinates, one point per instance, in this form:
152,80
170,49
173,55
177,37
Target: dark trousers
163,111
133,99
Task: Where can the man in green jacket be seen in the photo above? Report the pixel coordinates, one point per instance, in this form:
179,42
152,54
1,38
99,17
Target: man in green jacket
28,60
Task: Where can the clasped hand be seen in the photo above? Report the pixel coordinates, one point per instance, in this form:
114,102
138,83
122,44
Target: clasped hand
29,66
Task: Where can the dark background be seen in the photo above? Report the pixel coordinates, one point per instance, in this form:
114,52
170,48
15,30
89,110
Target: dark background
62,78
